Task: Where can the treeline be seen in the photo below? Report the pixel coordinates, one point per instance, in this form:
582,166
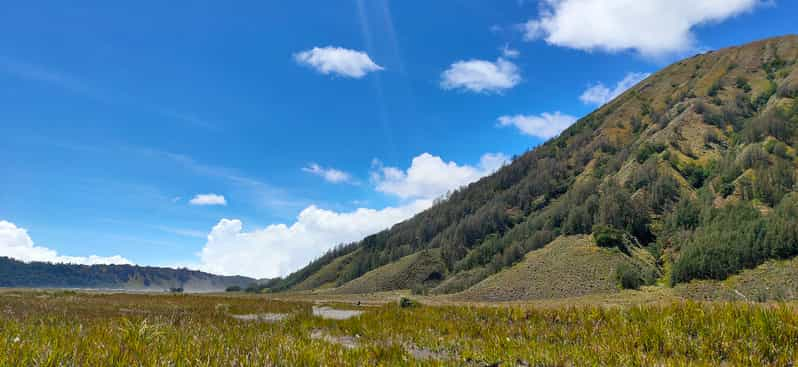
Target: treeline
14,273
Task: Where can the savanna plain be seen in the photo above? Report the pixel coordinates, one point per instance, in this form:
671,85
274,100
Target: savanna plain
636,328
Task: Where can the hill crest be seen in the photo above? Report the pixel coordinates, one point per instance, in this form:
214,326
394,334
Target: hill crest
707,141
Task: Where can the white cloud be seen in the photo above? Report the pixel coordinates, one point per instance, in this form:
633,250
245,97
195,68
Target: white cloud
328,174
510,53
208,199
16,243
481,76
651,27
337,60
279,249
599,94
545,126
429,177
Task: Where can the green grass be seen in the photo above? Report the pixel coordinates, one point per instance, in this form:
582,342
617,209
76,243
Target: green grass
78,329
774,280
568,267
406,273
327,275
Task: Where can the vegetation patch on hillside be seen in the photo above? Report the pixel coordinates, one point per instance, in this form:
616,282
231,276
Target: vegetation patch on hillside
424,269
568,267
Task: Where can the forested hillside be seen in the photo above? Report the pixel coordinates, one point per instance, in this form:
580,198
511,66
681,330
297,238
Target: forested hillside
696,164
15,273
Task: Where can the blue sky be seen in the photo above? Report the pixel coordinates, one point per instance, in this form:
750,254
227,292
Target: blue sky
302,123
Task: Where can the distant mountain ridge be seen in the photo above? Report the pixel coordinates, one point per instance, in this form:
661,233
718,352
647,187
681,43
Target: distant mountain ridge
696,165
14,273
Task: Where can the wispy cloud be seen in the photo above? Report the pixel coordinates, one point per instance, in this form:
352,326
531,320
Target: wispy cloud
79,86
184,232
262,193
60,79
329,174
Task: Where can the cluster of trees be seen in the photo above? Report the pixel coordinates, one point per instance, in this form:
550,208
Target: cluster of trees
725,240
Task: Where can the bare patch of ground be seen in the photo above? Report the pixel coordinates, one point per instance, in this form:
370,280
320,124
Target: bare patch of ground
348,342
424,354
334,314
262,317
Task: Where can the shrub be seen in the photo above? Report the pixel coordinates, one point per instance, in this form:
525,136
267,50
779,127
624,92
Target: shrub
714,119
762,99
788,90
647,150
606,236
663,192
628,276
700,107
777,148
711,137
713,89
686,215
743,84
405,302
233,288
695,174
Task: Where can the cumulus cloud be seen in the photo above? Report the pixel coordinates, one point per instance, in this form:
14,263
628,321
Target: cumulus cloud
430,176
600,94
328,174
16,243
545,125
279,249
208,199
652,27
337,60
481,76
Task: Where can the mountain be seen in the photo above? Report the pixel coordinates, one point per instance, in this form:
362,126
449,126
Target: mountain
15,273
688,175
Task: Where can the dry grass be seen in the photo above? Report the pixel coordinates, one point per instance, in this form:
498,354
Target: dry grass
79,329
567,267
405,273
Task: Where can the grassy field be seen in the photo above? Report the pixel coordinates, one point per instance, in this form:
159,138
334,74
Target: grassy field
83,329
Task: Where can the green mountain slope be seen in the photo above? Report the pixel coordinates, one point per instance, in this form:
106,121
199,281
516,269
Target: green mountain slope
15,273
567,267
696,164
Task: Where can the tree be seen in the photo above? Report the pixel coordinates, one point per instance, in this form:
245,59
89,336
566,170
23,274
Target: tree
628,276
